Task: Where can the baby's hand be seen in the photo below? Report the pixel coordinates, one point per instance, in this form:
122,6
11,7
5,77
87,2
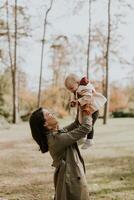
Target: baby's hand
73,103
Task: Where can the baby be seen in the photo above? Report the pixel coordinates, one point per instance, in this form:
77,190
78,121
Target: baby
87,99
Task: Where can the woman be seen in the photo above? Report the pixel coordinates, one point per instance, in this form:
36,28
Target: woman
69,178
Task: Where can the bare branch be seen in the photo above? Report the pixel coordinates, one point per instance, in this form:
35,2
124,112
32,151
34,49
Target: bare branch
42,51
89,39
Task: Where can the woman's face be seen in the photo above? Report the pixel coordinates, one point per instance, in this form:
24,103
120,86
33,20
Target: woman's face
51,123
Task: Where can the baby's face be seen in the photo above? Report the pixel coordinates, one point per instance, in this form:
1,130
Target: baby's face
73,87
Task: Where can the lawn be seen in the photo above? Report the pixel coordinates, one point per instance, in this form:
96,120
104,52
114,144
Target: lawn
26,174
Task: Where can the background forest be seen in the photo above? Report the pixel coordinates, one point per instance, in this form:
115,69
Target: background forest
40,44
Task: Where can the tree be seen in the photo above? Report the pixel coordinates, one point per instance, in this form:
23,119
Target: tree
13,64
27,98
60,59
15,70
89,40
13,36
118,98
108,50
130,92
42,52
106,107
5,92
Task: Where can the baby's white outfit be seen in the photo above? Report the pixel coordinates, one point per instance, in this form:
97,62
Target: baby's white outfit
86,94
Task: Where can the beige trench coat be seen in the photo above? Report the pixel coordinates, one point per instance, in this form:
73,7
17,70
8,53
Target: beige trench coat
69,178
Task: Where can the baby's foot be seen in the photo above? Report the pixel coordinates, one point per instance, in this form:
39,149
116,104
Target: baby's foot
88,143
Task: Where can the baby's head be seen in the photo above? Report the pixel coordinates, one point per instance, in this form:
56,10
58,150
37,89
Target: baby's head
72,82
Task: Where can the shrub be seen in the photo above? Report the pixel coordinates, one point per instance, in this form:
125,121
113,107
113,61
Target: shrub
118,114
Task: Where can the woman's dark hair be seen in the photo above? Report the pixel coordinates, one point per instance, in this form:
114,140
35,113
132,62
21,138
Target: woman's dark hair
39,132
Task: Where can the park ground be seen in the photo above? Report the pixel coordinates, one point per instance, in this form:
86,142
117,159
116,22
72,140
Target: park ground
26,174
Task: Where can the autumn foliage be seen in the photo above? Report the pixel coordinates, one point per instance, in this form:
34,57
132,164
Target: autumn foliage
118,99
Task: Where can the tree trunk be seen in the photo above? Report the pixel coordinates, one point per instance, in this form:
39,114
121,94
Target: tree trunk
8,36
106,107
15,71
42,54
13,66
89,40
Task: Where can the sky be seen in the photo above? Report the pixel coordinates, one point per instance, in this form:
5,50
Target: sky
71,19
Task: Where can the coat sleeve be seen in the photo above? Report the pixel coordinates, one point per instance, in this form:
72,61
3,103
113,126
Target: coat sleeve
66,139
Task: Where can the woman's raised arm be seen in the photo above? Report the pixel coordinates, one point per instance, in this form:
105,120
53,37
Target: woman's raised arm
66,139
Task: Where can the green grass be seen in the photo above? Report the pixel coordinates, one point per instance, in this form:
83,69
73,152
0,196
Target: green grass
26,174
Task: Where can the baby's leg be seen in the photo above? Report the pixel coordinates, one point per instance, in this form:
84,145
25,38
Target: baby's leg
95,116
89,141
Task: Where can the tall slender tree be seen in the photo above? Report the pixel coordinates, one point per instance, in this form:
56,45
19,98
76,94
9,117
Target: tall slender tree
8,36
89,39
13,62
15,30
60,59
42,51
15,90
106,107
